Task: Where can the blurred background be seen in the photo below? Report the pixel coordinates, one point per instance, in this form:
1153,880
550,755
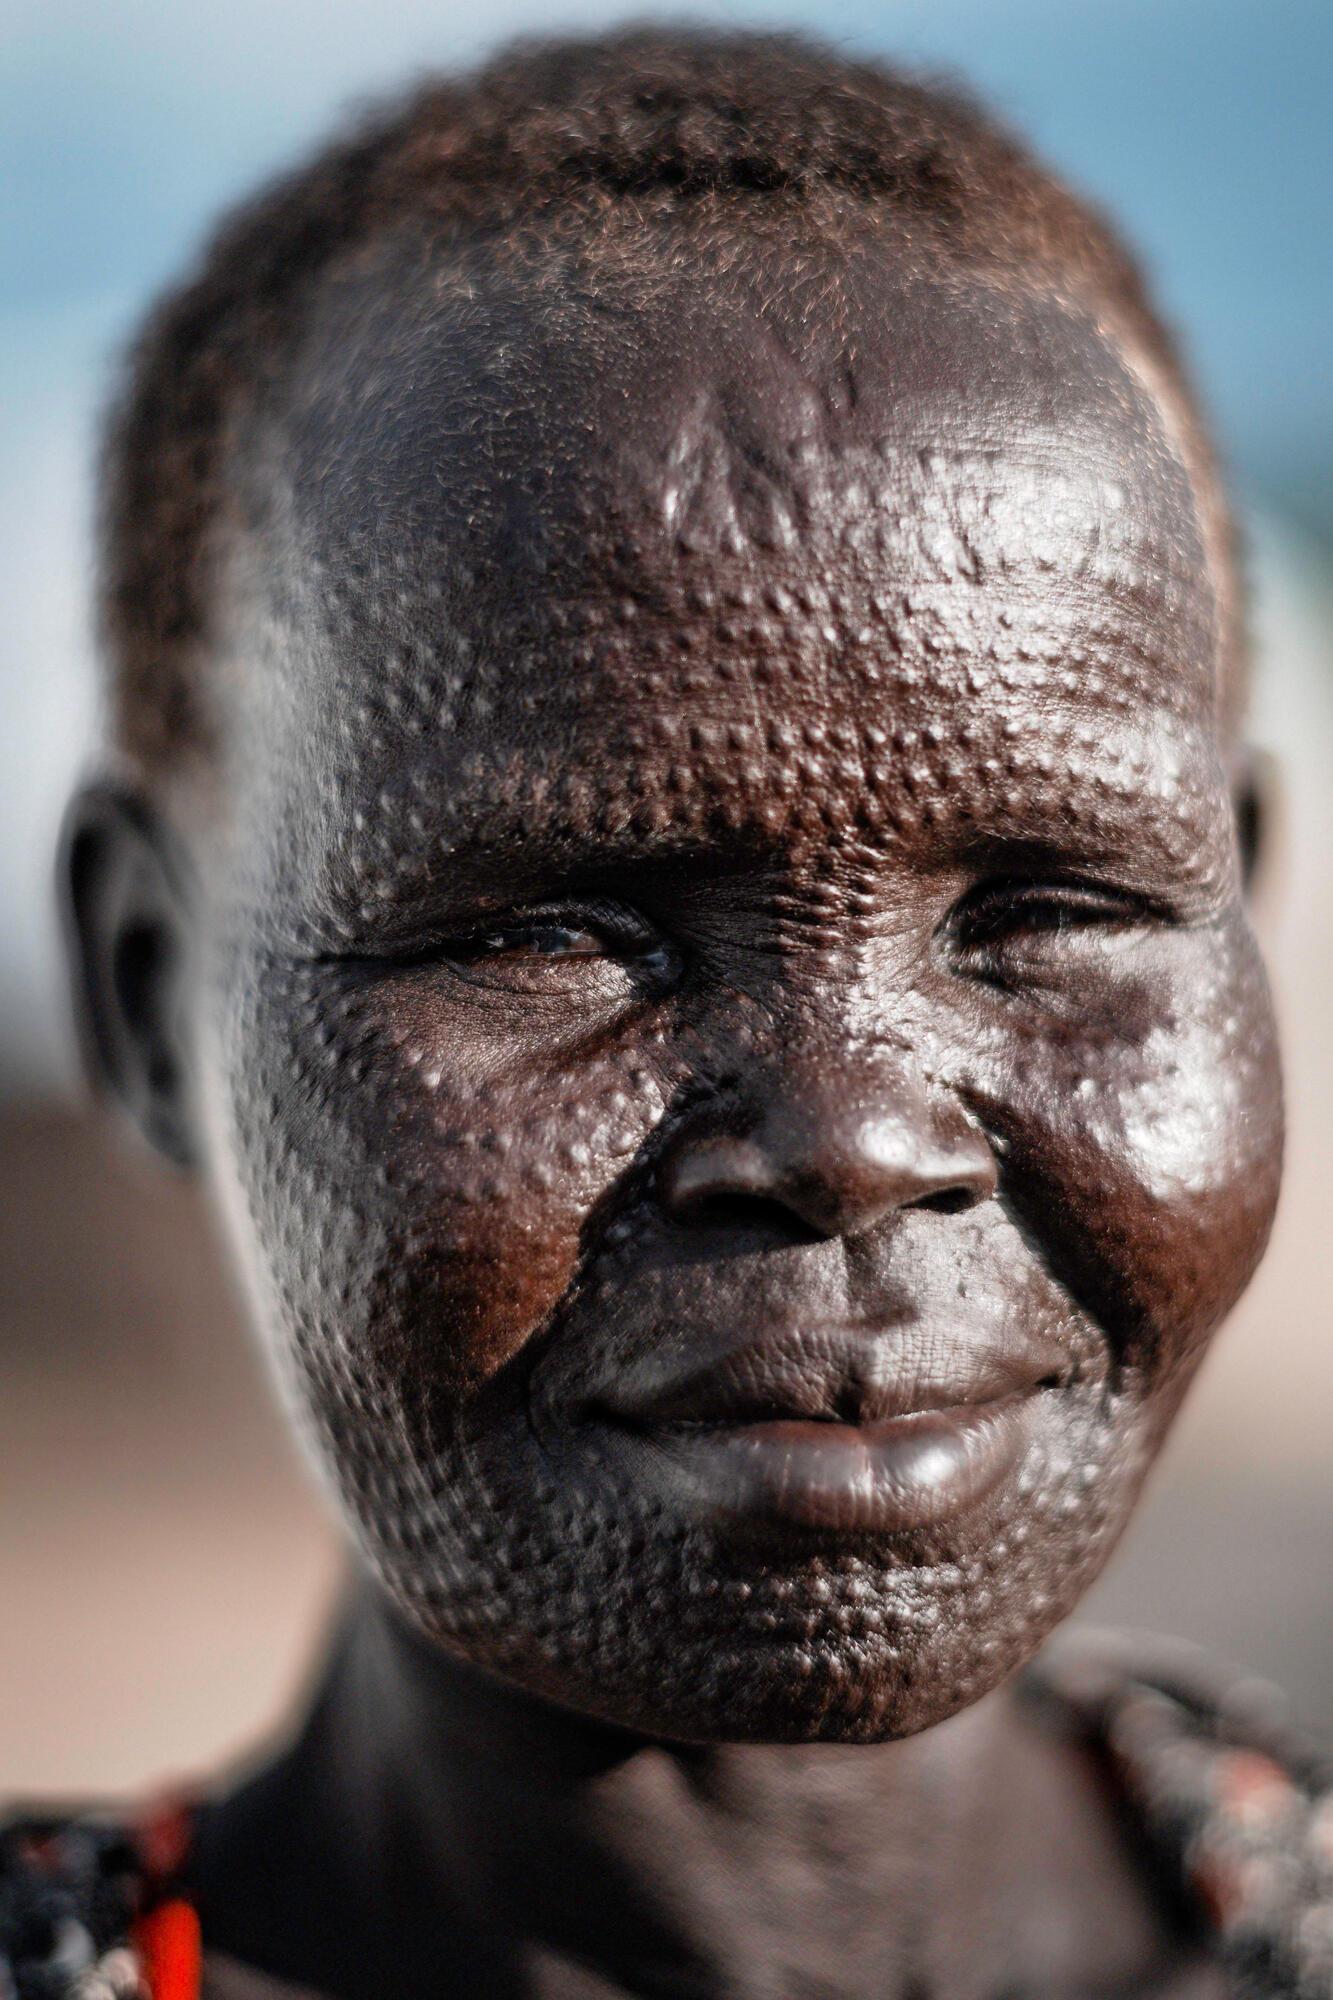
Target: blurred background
164,1566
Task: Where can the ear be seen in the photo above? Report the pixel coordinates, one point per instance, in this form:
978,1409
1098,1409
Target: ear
1256,789
128,919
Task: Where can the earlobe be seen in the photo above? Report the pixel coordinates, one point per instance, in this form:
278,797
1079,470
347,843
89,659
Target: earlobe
128,923
1255,791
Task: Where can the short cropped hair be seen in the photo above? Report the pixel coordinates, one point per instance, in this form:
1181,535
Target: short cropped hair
542,134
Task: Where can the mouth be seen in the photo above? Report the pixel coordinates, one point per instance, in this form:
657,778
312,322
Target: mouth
835,1431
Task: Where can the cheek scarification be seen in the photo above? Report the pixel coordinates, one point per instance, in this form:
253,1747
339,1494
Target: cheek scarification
427,1217
1146,1168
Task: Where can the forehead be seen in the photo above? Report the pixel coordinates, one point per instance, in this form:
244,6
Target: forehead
528,513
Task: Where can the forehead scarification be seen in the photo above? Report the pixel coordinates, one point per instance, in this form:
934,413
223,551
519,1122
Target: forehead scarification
495,393
492,517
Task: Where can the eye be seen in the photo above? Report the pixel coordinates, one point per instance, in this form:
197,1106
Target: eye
996,911
1019,931
541,939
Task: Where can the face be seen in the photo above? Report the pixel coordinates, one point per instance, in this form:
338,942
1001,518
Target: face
735,1063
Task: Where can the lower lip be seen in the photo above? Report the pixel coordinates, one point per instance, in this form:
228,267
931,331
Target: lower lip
882,1478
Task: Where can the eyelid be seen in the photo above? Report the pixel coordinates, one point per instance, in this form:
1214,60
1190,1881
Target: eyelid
626,932
616,921
625,928
1104,902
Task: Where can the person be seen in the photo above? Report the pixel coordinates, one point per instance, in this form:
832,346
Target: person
671,851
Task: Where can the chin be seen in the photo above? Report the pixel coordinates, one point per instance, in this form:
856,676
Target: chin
849,1654
833,1692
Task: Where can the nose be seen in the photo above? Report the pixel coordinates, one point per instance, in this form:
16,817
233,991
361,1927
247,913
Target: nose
837,1148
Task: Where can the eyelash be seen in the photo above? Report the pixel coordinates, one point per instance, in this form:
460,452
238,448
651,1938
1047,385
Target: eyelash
628,934
995,911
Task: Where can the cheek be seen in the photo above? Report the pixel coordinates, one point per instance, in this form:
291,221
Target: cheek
414,1196
1147,1169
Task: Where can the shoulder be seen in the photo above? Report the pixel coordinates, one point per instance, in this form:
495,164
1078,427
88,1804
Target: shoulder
1231,1807
92,1907
228,1979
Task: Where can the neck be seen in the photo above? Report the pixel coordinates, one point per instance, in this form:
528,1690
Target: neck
449,1832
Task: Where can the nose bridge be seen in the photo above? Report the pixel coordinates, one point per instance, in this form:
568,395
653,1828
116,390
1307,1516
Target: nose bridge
820,1105
839,1137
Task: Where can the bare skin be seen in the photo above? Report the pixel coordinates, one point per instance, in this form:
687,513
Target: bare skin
718,1009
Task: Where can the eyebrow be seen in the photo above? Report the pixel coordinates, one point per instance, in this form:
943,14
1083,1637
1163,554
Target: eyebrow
516,835
502,852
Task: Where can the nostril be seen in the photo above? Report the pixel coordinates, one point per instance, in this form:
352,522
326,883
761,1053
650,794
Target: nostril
735,1209
720,1207
947,1201
716,1179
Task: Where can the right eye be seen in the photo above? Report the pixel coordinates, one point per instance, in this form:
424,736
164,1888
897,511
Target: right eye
539,939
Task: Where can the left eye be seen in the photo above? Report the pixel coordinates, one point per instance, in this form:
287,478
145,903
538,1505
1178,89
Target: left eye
1067,937
1001,911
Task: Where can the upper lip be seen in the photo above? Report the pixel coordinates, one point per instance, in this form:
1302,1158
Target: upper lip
846,1374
